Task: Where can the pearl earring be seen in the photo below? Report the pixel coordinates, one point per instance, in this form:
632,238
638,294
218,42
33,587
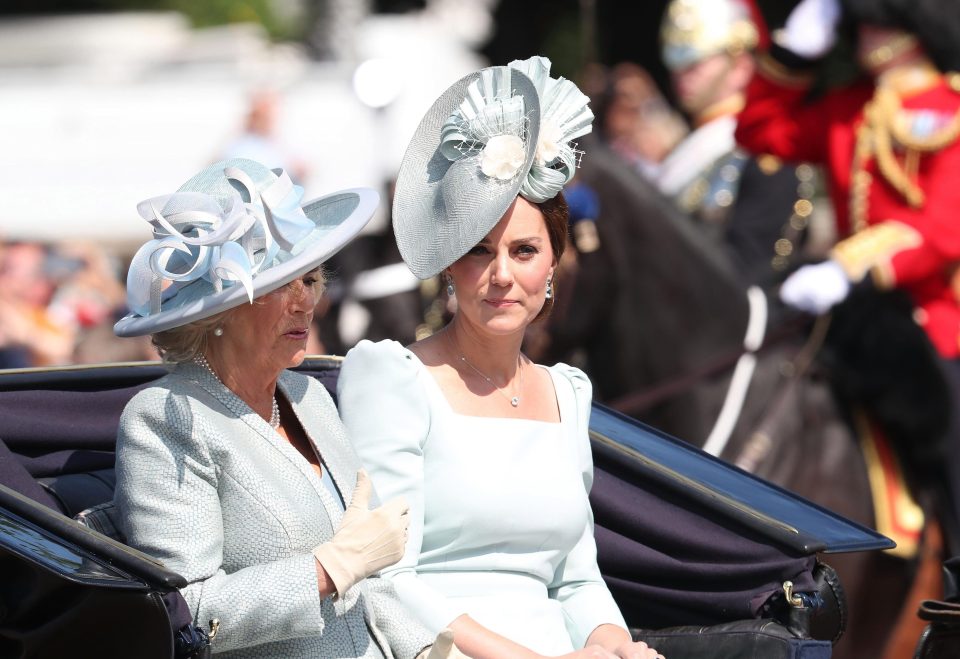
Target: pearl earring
218,331
549,293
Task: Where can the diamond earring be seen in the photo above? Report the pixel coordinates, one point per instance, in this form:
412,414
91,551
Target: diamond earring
549,293
451,291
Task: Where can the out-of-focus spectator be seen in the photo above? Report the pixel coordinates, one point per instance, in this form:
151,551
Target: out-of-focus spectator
88,288
58,304
30,335
636,121
89,297
259,139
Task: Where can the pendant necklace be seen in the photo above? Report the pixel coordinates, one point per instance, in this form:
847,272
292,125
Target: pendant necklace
514,400
201,360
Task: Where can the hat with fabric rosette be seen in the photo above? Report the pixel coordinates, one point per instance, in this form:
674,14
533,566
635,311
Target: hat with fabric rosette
232,233
495,134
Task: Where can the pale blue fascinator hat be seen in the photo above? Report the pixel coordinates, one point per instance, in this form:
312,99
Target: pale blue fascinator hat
233,232
497,133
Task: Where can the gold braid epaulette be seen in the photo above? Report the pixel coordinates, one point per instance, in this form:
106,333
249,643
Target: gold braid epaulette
877,135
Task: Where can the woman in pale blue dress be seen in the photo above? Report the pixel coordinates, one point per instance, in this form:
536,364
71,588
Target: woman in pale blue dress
489,449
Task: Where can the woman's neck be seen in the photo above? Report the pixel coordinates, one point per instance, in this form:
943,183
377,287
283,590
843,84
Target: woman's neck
496,356
254,385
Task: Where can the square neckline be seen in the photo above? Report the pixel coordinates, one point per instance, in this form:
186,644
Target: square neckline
438,392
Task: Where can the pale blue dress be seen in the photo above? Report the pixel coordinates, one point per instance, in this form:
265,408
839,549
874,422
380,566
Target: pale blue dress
501,527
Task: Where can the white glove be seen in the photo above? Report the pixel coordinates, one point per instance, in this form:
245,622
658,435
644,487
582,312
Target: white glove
443,648
816,288
811,28
367,540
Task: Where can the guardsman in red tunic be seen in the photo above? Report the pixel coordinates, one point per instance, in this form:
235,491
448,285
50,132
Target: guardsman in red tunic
891,147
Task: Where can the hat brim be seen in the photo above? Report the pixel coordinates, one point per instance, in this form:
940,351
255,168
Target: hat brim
442,208
339,217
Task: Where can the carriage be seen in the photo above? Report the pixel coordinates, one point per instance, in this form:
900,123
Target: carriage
694,550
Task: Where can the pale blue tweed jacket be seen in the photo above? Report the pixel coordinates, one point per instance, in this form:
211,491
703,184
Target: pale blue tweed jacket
205,485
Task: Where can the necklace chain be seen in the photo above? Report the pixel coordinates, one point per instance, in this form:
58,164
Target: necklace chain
513,400
201,360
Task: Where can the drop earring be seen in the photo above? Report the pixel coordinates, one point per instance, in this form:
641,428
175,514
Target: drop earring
549,294
451,291
218,331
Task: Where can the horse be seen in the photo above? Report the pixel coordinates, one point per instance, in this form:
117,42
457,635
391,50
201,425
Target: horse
670,334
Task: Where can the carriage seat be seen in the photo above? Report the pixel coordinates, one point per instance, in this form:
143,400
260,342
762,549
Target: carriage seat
75,493
58,436
62,433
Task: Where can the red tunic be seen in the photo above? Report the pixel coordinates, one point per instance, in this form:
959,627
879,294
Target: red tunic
915,247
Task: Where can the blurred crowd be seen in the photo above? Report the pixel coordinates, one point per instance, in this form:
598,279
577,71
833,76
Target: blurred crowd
58,302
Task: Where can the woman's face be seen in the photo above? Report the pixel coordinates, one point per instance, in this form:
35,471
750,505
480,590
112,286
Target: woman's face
271,334
501,282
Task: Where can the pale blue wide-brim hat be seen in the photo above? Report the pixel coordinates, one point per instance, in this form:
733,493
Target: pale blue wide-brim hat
232,233
495,134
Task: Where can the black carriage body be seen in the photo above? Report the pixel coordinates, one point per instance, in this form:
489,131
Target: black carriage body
683,538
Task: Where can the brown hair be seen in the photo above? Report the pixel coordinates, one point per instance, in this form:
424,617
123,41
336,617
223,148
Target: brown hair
556,215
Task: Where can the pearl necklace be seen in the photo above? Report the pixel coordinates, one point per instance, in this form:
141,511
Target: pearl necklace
514,400
201,360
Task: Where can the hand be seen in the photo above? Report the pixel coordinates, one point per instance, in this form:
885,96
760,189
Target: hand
637,650
366,540
811,28
443,648
816,288
628,650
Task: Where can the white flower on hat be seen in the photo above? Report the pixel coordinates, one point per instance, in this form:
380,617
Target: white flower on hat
549,143
502,157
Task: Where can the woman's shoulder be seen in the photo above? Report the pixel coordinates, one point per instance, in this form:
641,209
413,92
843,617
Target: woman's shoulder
387,359
159,393
581,384
162,413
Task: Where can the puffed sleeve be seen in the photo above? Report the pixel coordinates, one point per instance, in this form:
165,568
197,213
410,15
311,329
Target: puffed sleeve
167,498
577,583
383,404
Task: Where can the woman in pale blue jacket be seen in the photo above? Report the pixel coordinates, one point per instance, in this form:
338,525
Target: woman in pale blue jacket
233,471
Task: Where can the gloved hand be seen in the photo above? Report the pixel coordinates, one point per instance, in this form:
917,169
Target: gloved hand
366,540
816,288
811,28
442,648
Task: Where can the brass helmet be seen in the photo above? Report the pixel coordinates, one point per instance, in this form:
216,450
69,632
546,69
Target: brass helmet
693,30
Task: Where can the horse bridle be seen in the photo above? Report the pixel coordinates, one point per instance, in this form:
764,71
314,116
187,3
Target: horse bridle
741,360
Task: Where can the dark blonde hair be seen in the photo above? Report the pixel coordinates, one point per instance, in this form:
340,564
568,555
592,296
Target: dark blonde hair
181,344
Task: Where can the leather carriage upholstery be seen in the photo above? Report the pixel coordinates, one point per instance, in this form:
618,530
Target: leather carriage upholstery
59,430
